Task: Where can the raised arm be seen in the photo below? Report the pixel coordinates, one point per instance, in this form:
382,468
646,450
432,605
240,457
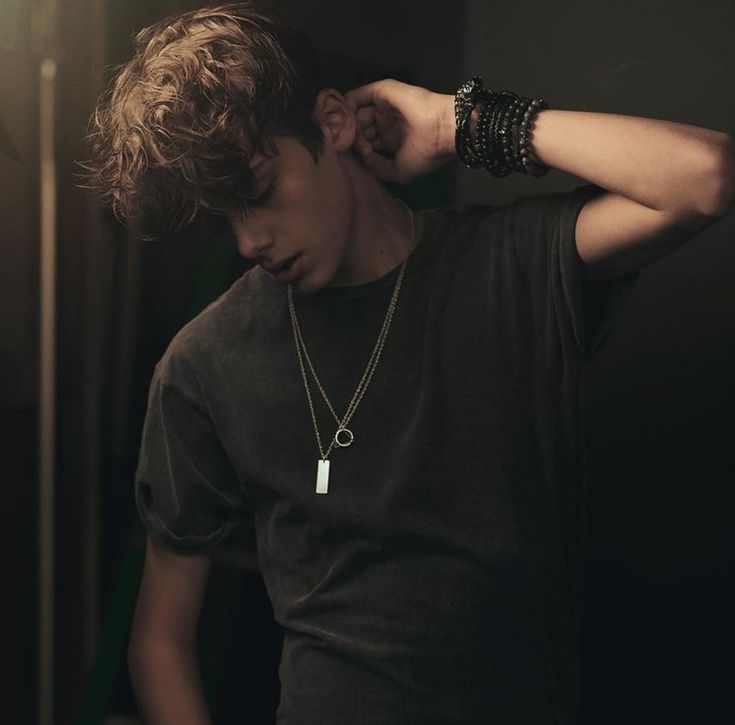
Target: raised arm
664,181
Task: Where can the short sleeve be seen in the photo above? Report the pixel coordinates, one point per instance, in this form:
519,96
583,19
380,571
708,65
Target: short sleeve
542,229
187,493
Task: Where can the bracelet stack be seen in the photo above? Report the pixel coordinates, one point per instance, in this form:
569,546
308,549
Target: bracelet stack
503,132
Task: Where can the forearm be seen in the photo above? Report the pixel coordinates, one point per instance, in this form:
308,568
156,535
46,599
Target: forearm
168,686
661,164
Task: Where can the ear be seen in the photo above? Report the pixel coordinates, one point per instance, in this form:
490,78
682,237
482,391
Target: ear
338,122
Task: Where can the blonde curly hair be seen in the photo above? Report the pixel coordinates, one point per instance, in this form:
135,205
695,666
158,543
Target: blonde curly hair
172,136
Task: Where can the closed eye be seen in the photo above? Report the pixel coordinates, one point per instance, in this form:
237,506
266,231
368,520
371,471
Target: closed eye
265,195
242,213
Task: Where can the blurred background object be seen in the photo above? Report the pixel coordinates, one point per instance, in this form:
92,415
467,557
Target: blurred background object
658,397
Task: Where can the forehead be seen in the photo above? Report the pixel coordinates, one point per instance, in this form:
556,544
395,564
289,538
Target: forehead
288,151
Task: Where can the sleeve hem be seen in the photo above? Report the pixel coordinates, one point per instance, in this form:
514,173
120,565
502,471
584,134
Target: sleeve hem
594,319
191,543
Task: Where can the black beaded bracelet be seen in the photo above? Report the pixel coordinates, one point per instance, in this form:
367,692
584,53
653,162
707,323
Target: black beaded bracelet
503,130
531,167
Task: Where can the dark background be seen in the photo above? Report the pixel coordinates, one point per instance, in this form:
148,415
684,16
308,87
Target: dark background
659,630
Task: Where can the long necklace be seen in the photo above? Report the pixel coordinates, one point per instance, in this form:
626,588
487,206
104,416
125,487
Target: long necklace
344,437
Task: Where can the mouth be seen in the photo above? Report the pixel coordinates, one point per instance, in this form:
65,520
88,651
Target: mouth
288,270
281,266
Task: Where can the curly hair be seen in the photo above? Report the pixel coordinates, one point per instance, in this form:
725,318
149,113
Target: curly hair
173,134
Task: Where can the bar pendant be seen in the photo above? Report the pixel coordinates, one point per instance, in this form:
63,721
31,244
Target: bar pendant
322,476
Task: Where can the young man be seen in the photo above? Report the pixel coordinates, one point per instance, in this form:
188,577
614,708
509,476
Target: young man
419,528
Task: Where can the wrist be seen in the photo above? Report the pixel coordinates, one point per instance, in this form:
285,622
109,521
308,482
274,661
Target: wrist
494,129
447,128
472,128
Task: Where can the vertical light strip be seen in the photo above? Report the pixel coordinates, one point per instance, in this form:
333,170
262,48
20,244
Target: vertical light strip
47,394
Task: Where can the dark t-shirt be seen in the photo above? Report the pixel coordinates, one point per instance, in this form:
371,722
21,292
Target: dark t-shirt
437,581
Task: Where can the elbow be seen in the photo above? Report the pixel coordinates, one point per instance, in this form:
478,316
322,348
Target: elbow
136,666
143,649
721,174
135,655
152,659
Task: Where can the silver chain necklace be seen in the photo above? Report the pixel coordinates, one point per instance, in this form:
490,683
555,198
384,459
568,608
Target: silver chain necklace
322,476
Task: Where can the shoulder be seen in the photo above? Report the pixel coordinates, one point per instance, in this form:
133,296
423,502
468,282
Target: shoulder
551,207
462,226
462,217
530,216
204,337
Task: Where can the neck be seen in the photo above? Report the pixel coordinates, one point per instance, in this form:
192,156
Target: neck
379,238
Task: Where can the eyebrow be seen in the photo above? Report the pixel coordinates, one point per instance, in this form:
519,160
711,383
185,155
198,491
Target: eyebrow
263,161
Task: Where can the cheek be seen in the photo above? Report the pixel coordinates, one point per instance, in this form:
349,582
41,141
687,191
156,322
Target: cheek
338,210
303,200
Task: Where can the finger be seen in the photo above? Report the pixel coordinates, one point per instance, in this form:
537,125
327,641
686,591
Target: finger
383,167
371,138
367,95
366,116
361,143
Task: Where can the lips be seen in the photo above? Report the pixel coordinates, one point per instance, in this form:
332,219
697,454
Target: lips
289,273
280,266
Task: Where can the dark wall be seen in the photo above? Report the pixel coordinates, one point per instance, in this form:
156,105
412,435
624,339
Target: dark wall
660,393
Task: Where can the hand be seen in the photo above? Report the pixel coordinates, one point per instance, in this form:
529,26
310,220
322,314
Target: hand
413,124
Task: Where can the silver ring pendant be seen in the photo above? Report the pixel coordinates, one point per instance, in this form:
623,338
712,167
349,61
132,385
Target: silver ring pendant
348,432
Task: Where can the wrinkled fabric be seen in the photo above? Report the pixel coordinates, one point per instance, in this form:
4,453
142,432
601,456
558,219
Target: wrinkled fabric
437,582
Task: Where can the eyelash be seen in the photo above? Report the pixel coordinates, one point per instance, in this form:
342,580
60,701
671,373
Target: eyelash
265,195
261,199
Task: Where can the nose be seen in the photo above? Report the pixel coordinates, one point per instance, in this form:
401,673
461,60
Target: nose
252,238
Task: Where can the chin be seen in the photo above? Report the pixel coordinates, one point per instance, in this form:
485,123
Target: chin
314,280
304,285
